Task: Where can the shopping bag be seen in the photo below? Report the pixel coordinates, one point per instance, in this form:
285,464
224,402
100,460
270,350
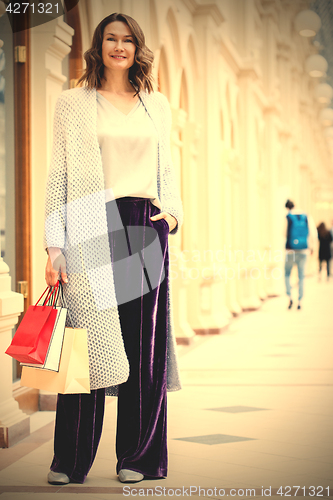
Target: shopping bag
53,354
73,374
31,340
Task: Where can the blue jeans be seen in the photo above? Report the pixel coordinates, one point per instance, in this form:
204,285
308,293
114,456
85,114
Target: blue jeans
299,259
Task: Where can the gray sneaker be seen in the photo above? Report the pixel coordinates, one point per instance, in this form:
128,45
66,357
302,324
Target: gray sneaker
57,478
130,476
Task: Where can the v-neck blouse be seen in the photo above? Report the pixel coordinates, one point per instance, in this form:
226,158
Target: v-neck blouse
129,149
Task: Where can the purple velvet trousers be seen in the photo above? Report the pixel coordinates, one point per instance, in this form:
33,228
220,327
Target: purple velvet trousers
139,253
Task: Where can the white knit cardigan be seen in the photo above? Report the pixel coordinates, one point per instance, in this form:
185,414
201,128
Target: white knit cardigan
75,221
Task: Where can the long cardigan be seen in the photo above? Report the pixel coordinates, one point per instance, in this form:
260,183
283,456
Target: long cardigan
75,221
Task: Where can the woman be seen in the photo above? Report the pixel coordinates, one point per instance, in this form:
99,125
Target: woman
111,200
325,239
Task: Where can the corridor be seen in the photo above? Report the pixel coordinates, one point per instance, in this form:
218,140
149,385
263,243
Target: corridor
255,413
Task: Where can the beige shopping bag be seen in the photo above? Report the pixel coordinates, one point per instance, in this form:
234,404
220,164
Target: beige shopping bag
73,374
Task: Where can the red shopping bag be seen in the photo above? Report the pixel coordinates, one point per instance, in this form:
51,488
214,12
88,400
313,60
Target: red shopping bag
31,340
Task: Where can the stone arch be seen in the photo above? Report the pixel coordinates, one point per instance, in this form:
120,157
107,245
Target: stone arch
183,95
236,117
232,135
163,74
228,100
258,145
192,75
229,117
174,32
154,33
192,53
223,110
222,125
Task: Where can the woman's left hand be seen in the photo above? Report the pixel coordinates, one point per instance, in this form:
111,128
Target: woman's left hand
171,220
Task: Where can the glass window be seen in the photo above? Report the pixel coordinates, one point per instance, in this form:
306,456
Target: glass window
7,155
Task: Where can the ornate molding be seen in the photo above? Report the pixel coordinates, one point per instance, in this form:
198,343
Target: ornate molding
64,32
269,9
284,49
250,69
58,50
56,77
179,118
294,5
210,9
285,133
62,40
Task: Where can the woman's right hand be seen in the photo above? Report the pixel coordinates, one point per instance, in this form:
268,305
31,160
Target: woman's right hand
56,263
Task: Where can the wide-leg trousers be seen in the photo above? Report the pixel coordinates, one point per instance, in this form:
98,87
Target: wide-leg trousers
139,254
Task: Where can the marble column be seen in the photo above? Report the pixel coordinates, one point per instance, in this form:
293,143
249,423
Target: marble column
14,424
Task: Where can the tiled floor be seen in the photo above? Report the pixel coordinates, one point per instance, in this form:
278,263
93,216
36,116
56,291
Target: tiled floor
255,412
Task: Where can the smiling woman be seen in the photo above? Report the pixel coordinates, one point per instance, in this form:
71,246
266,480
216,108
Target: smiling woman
123,28
112,174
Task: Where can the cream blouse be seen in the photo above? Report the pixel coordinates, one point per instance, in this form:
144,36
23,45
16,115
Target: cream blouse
129,149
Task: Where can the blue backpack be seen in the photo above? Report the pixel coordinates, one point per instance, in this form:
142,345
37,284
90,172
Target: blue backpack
298,231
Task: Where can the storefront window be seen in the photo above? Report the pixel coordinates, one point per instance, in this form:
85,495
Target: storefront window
7,155
2,155
7,164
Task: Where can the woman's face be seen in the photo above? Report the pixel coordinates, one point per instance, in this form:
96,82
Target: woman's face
118,47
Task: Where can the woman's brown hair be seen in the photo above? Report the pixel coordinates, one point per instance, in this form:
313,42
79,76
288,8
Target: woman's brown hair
140,74
322,231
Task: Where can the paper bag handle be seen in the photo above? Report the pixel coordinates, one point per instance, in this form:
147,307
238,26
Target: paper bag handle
63,301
